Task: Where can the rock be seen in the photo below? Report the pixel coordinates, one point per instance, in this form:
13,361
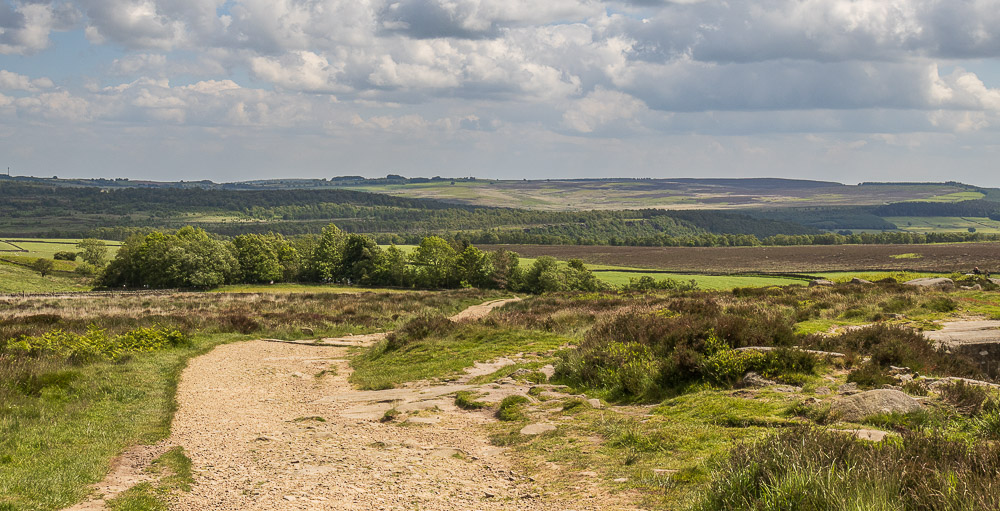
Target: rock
588,473
823,390
621,480
872,435
820,282
974,287
995,281
537,429
939,282
595,403
307,331
753,379
856,280
865,404
848,388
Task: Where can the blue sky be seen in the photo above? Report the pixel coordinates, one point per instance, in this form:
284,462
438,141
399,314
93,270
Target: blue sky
845,90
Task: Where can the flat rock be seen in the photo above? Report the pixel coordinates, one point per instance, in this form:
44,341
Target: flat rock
872,435
537,429
865,404
856,280
753,379
595,403
820,282
940,282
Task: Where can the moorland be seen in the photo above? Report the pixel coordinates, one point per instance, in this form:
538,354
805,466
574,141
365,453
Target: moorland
298,343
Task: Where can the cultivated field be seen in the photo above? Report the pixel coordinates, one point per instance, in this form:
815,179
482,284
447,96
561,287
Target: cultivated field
665,193
944,258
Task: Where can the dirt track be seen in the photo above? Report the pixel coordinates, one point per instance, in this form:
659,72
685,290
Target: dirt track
265,432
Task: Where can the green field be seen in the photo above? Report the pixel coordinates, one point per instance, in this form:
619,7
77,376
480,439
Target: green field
953,197
580,195
46,247
18,279
945,224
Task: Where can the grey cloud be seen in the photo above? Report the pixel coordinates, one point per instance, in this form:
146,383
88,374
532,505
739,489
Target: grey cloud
421,19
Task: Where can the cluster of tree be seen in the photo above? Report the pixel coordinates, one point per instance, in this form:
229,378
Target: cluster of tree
969,208
191,258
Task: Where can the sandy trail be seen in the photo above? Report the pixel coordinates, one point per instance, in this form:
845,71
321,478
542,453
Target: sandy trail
248,420
265,430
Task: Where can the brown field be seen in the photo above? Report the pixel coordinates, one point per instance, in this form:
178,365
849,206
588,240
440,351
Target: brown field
960,257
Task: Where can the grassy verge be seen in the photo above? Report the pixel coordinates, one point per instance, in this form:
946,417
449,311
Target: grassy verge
383,366
60,432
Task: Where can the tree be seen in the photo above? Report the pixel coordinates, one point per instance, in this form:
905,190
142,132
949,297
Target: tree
395,271
504,270
43,266
327,256
361,259
434,259
256,259
93,251
473,267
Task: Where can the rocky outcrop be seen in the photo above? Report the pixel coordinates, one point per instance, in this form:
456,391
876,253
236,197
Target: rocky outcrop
938,282
865,404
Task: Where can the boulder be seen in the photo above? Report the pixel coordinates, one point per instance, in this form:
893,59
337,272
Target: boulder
537,429
820,282
753,379
865,404
856,280
940,282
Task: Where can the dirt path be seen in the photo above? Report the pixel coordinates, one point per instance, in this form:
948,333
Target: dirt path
266,430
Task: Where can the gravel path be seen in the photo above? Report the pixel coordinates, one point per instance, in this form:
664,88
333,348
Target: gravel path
263,433
265,430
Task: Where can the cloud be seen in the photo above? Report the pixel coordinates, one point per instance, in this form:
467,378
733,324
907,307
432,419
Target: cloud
14,81
600,108
25,25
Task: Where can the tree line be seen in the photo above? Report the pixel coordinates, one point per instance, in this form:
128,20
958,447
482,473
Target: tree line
191,258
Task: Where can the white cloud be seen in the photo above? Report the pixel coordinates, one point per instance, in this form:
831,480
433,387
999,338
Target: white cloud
14,81
601,107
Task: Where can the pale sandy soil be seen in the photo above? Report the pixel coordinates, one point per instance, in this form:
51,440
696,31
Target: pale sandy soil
263,431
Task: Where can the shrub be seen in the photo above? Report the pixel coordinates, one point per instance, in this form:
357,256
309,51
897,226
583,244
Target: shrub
467,401
64,256
968,399
512,408
95,344
418,329
803,468
940,304
870,375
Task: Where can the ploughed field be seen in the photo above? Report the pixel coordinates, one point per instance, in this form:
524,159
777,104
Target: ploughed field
951,257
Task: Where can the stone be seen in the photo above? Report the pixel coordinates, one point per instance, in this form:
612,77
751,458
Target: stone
537,429
588,473
848,388
872,435
939,282
595,403
858,406
753,379
823,390
820,282
307,331
856,280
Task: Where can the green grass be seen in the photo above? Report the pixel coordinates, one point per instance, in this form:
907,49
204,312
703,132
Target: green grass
47,247
379,368
18,279
55,444
945,224
707,282
952,197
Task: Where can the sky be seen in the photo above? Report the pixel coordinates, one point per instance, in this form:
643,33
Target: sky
227,90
